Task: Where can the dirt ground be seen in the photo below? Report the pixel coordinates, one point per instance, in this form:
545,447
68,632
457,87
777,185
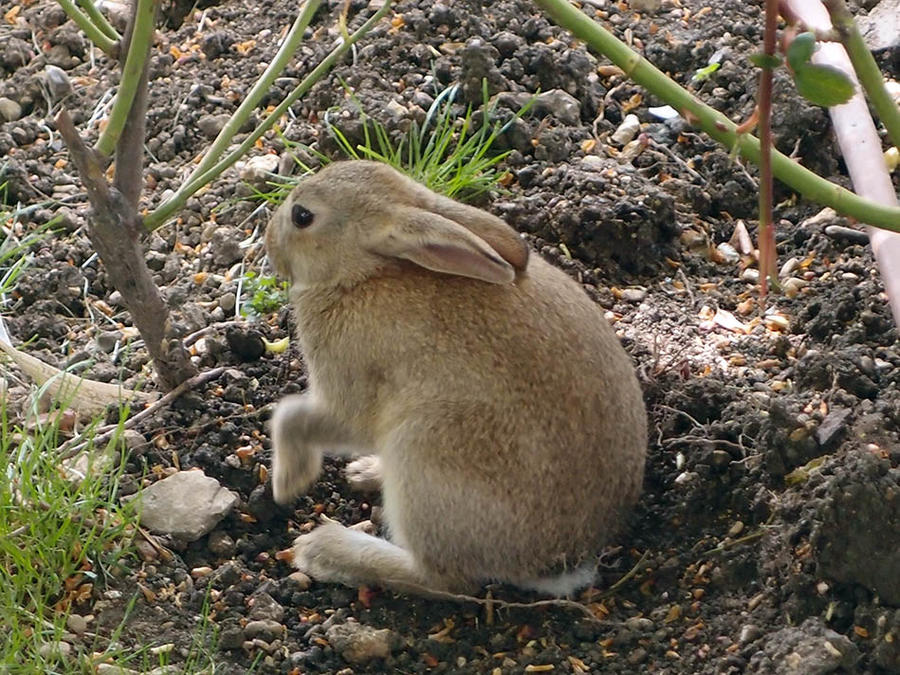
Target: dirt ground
768,537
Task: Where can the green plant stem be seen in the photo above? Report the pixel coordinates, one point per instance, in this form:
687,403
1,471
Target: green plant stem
94,33
99,20
290,45
196,181
138,51
714,123
866,69
766,244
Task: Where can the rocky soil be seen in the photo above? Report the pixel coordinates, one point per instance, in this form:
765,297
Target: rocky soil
768,539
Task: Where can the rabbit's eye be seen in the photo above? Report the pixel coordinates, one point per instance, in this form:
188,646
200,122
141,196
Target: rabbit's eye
301,216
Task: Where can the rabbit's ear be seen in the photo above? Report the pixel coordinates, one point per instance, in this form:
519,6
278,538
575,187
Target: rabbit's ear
439,244
498,235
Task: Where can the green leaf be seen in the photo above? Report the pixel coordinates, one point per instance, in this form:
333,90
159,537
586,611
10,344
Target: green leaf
760,60
823,85
801,50
704,73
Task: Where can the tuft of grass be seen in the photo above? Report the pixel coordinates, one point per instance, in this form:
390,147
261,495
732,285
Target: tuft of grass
450,154
14,257
59,540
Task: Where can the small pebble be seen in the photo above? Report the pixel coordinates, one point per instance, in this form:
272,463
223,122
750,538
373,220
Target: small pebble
750,274
686,477
265,629
634,295
736,529
221,543
749,633
841,233
627,130
76,623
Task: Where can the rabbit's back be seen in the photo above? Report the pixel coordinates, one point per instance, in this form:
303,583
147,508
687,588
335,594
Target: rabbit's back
520,393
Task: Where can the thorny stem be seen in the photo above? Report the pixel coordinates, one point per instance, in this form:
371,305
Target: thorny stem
94,33
714,123
767,253
130,82
866,69
167,208
99,20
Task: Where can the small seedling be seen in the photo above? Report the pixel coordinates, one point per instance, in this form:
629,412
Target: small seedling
266,295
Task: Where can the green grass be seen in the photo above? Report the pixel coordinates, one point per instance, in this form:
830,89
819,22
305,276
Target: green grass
58,541
448,153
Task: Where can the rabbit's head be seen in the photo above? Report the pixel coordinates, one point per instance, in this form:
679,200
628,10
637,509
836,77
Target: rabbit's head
353,218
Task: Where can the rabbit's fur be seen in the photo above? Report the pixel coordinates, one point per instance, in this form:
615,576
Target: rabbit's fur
506,418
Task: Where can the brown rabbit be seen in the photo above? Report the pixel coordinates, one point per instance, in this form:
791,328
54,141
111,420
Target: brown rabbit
505,418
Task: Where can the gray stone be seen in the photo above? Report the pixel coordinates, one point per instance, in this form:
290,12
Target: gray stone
561,104
832,428
221,544
749,633
76,623
264,629
10,110
227,302
808,649
264,606
186,505
225,245
58,82
360,644
211,125
848,234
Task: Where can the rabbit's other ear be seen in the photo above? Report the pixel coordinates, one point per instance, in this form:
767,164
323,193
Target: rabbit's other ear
498,235
441,245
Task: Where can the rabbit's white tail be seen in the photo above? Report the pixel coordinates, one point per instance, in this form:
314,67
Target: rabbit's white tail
563,584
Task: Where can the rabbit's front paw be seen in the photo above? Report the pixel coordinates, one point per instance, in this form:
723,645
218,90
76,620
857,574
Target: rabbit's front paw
364,474
319,553
293,470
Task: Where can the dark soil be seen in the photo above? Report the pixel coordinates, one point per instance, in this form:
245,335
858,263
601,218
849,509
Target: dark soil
768,538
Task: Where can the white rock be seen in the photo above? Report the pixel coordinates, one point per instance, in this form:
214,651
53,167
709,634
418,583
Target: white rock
186,505
396,109
635,295
259,169
627,130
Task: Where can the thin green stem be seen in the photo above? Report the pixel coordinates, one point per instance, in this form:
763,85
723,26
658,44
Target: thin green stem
99,20
94,33
138,51
714,123
290,45
197,181
866,69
